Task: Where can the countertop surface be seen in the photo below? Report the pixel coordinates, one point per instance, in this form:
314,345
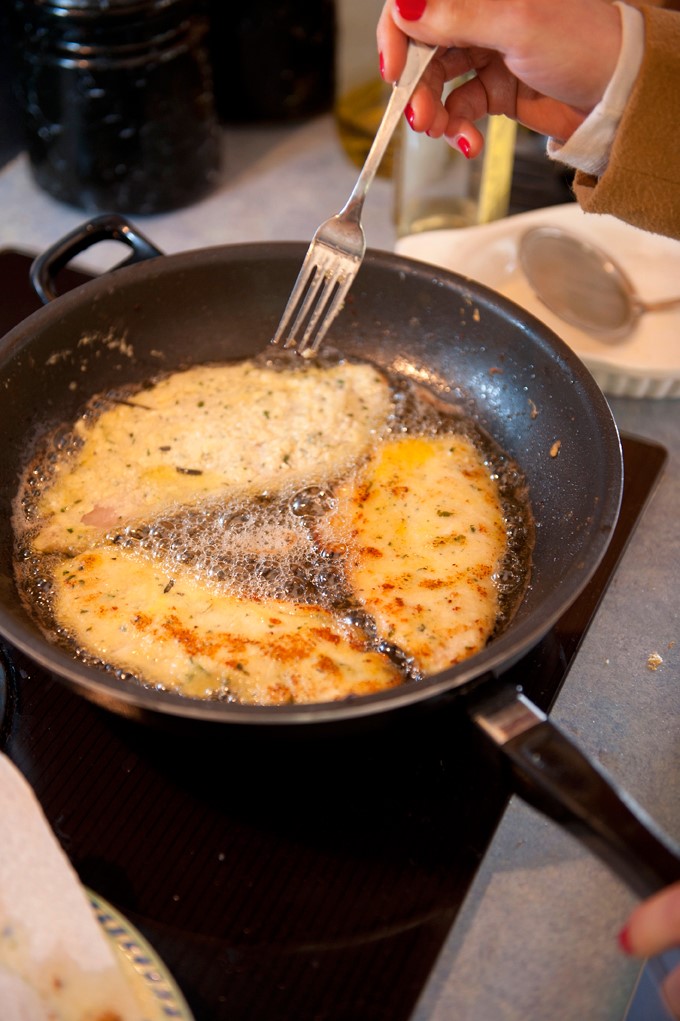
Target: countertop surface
536,937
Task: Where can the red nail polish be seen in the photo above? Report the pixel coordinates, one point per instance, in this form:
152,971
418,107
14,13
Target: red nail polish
411,10
382,66
464,146
409,114
624,941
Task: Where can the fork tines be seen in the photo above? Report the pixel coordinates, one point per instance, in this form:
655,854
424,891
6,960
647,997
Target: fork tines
317,297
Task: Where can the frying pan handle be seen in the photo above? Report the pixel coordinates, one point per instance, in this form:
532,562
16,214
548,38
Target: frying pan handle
551,774
109,227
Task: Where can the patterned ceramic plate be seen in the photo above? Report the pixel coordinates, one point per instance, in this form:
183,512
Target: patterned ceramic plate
153,984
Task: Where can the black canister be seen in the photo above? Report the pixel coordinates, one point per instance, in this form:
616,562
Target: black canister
273,60
118,102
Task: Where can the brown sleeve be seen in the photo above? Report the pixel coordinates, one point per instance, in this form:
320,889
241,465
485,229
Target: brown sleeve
642,181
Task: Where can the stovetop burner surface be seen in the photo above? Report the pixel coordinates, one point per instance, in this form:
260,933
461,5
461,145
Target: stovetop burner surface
312,876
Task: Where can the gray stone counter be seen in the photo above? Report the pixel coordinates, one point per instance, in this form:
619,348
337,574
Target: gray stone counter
536,938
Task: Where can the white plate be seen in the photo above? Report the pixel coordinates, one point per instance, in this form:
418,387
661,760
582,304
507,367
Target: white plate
154,986
647,362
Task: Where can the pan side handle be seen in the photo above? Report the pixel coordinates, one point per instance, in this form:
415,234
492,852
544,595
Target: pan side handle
109,227
553,775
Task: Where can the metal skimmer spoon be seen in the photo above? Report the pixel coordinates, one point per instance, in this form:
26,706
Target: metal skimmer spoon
582,284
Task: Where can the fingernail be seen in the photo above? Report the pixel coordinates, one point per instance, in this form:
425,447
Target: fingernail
411,10
462,143
382,65
624,941
409,114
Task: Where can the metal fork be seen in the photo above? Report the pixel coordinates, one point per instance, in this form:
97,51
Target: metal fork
338,246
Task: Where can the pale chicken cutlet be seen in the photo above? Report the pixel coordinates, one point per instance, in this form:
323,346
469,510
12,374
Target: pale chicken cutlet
185,635
213,429
424,531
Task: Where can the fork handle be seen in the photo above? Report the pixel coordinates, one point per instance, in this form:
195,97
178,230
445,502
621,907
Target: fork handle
418,57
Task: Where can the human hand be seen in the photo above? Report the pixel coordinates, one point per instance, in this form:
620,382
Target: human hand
652,928
544,64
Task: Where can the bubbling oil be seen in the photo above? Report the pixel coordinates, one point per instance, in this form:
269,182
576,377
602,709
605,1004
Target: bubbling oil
267,546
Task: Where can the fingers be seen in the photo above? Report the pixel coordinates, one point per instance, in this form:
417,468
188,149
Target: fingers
425,111
442,23
392,45
460,132
394,30
466,137
545,45
654,926
465,105
429,113
455,119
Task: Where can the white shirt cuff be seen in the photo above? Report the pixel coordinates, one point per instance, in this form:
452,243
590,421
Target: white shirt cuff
589,147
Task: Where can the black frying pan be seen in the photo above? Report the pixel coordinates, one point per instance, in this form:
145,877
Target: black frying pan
472,347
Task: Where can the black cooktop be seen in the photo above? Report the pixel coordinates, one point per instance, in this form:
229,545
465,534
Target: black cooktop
307,875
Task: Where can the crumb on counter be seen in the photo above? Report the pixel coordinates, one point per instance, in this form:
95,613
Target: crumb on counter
654,661
555,449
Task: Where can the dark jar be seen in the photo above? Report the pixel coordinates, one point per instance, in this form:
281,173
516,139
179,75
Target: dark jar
273,60
118,102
